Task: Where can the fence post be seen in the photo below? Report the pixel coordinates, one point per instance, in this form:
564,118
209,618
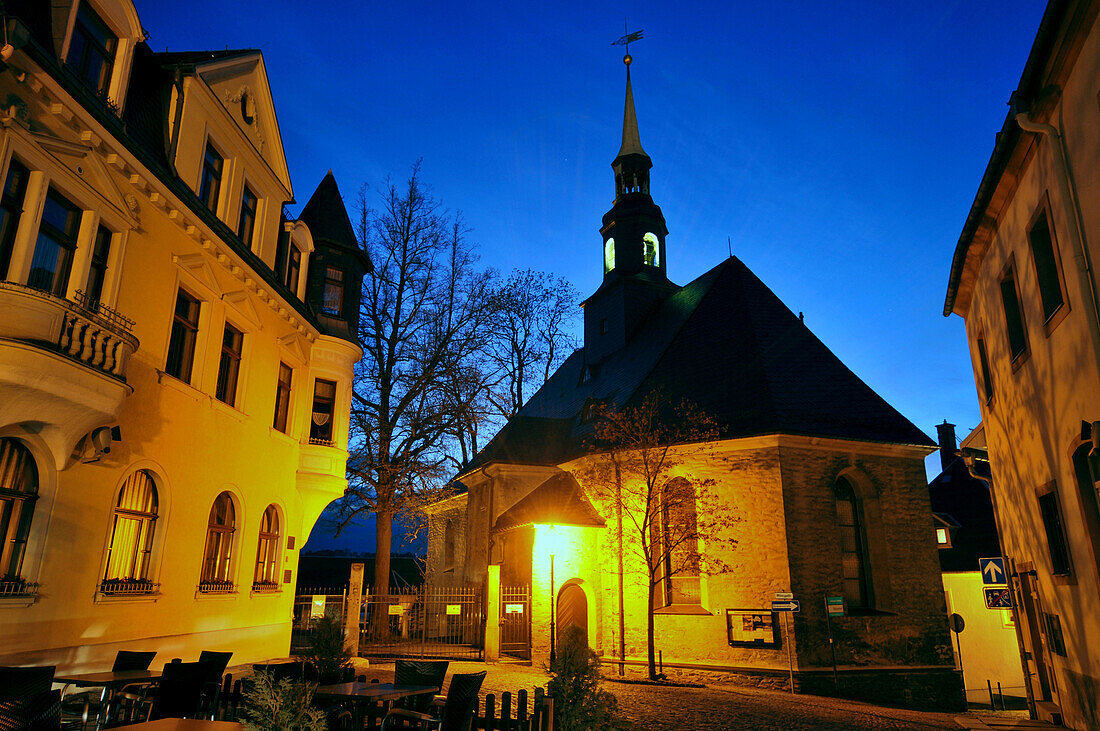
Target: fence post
354,602
492,614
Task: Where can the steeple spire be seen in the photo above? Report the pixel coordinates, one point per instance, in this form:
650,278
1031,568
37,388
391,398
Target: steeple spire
632,142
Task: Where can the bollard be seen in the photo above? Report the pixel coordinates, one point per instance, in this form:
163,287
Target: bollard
992,703
1001,694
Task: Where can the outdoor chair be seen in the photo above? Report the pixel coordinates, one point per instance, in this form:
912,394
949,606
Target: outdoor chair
458,709
20,682
179,692
422,672
37,711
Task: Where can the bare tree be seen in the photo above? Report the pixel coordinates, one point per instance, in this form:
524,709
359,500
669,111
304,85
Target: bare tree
423,308
641,469
531,334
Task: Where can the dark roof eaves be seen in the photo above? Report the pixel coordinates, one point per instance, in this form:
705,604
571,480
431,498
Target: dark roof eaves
1006,142
115,126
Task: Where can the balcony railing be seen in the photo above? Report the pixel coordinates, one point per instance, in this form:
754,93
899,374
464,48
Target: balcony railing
217,587
128,587
87,331
18,588
322,442
264,587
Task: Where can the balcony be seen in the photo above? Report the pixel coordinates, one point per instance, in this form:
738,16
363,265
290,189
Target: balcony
128,587
62,365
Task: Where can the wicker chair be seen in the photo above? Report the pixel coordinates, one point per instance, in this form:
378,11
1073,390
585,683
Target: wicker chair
423,672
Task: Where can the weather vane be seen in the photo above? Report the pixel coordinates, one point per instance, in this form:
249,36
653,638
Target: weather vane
626,41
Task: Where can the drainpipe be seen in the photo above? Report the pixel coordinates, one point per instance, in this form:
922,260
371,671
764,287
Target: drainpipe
1069,196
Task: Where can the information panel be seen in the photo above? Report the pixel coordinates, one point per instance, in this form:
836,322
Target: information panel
751,628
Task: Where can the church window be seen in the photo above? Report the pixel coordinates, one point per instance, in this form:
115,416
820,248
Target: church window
677,544
608,255
135,519
266,575
449,545
219,546
18,493
651,249
92,50
853,542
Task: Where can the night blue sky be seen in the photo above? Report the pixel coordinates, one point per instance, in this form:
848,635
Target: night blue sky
837,145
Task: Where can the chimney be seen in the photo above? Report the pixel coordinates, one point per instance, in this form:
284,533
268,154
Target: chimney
948,448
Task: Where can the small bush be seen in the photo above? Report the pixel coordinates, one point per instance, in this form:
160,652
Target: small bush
327,651
282,706
579,702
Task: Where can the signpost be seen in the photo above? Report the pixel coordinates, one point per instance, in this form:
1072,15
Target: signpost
998,598
993,571
834,607
786,603
957,625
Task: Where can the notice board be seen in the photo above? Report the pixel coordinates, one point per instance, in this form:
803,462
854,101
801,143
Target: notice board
751,628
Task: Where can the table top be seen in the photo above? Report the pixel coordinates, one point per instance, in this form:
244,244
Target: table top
109,678
187,724
372,691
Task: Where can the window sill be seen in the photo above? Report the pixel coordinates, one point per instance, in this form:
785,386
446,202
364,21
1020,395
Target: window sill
684,610
167,379
22,600
1020,359
266,592
151,597
215,595
282,436
1064,579
231,411
1056,319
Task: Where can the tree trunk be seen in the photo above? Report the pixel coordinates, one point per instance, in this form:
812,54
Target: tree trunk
380,620
649,633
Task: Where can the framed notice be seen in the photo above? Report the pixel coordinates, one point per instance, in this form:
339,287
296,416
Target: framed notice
396,610
751,628
317,606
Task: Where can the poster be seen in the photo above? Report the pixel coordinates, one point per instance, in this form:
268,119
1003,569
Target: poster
751,628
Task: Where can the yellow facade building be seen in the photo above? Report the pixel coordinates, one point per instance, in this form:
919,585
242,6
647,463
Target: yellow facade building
1023,278
175,354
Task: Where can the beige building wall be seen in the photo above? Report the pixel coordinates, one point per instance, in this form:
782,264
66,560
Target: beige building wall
988,648
193,445
1033,422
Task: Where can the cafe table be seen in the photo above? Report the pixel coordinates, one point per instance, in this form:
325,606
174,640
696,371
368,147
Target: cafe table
109,680
186,724
377,692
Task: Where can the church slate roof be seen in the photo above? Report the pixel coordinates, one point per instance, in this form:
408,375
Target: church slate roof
728,345
557,501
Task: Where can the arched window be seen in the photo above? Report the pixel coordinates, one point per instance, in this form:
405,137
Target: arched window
651,250
266,578
131,546
219,546
18,492
608,255
677,544
853,542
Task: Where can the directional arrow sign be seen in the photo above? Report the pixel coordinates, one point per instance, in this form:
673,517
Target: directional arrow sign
791,605
993,570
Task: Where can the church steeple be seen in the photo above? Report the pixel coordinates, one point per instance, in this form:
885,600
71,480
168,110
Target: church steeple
632,164
633,234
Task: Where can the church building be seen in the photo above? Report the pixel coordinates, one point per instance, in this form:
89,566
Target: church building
823,480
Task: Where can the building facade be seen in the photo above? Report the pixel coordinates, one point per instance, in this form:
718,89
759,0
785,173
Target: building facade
1023,280
175,353
823,479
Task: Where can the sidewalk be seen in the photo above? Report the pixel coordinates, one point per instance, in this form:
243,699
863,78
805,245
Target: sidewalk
980,723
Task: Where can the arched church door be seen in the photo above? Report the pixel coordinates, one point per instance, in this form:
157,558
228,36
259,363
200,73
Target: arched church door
572,609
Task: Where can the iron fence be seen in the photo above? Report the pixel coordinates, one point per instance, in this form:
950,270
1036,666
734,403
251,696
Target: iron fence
309,606
424,621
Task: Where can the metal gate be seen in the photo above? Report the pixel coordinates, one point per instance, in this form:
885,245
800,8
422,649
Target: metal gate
515,621
424,622
309,606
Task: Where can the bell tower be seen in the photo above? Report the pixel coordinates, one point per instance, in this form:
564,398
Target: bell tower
633,246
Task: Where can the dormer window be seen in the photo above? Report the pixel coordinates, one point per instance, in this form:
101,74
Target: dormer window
651,250
293,267
92,50
333,300
210,181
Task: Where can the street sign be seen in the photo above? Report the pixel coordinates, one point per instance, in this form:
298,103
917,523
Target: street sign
834,606
957,623
993,570
790,605
784,595
454,609
998,598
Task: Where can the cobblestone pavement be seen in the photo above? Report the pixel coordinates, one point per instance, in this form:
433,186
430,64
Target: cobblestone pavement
718,706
